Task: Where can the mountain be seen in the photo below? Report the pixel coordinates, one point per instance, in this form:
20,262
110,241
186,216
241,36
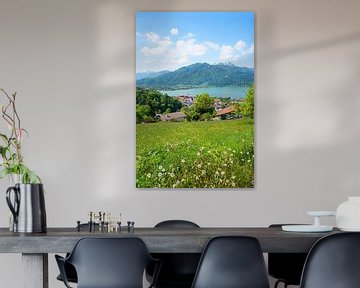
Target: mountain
142,75
200,75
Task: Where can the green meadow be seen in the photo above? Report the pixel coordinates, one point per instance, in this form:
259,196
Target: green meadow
204,154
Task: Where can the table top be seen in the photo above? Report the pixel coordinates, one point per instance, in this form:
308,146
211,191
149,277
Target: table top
158,240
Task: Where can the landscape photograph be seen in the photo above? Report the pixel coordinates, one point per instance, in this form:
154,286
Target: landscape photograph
195,100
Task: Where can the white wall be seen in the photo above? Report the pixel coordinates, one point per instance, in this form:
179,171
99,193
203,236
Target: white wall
73,66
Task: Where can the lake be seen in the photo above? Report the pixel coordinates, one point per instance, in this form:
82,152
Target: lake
234,92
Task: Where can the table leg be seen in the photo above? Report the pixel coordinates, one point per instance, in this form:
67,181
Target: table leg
35,270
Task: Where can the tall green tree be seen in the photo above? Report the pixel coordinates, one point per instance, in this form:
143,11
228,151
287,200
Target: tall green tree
247,108
202,109
204,104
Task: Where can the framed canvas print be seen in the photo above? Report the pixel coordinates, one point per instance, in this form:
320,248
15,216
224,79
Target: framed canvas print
195,100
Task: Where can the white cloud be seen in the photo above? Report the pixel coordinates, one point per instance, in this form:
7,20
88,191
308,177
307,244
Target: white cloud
162,53
212,45
174,31
227,53
152,37
190,47
240,54
250,50
162,47
240,45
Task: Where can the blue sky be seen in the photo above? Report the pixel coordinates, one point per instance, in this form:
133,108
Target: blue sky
170,40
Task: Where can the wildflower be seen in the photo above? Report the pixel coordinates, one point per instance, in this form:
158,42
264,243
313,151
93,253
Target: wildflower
199,165
198,154
160,167
159,174
148,175
233,184
172,175
163,170
203,172
182,160
222,172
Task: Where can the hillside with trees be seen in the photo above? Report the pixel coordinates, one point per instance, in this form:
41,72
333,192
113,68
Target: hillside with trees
150,102
200,75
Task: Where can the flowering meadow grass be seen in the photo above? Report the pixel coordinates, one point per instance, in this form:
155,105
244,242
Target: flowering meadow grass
213,154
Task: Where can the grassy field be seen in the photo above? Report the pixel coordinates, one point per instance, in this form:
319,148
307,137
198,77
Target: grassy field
214,154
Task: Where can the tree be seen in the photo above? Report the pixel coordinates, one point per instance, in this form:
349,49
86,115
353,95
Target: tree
204,104
143,113
150,102
247,108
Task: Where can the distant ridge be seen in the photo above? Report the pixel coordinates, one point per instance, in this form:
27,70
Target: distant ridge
200,75
150,74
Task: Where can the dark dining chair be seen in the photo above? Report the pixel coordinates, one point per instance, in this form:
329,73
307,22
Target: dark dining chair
286,267
108,263
70,271
178,269
333,262
232,262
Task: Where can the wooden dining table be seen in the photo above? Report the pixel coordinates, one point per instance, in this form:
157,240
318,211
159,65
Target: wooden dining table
35,247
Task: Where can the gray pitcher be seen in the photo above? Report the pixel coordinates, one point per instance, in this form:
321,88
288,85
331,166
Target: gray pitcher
28,207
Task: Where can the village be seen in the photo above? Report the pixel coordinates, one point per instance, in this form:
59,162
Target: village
224,108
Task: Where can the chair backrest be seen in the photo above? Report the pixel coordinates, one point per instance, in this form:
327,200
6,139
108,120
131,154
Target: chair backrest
286,267
333,262
178,269
110,262
232,262
176,224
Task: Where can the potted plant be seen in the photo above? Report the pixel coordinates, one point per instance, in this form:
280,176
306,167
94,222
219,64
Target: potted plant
11,158
26,198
